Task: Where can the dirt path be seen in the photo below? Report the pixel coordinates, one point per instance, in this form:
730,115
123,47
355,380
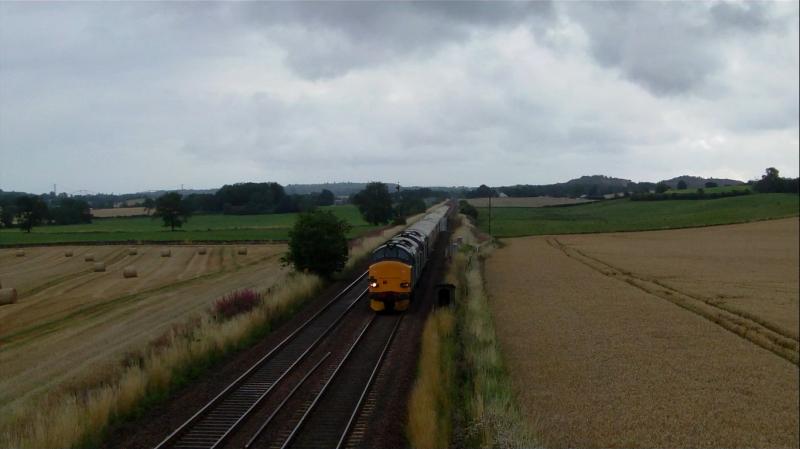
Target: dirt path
599,362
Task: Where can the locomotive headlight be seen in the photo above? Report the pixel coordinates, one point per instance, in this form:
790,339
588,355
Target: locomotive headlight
373,284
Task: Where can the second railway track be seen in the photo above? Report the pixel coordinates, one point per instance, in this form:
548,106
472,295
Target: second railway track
306,391
218,420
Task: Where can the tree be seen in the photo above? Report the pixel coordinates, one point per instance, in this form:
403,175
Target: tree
318,243
468,209
31,210
483,191
325,198
770,182
7,212
711,184
410,206
70,211
682,185
171,208
375,203
661,187
149,205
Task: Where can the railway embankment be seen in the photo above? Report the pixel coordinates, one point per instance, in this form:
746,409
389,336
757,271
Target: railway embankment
462,395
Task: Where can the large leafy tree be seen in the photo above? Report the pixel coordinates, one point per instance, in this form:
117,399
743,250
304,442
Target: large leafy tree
31,211
318,243
326,198
375,203
171,208
70,211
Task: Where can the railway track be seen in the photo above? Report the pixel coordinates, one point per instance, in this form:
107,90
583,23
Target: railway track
217,421
324,407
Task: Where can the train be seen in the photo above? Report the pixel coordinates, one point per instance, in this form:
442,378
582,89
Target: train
396,266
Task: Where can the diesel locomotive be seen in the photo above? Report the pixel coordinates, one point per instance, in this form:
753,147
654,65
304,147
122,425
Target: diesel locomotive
396,266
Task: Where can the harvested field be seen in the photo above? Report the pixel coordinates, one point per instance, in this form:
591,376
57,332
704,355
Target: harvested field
534,201
634,339
82,322
120,212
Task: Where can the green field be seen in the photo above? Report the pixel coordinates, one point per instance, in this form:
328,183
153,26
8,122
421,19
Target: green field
199,228
626,215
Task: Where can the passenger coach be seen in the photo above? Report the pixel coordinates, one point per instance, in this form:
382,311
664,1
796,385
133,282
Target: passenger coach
397,265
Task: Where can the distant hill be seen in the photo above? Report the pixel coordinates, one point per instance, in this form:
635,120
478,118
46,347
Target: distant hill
696,182
338,188
599,180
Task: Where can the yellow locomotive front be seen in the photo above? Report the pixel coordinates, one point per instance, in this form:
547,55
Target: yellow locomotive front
389,286
391,277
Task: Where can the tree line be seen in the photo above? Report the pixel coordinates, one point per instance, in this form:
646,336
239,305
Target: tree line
26,211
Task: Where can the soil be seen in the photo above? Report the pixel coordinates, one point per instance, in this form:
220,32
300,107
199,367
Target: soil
598,361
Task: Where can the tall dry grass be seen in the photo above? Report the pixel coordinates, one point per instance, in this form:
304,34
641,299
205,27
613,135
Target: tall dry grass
79,418
492,418
432,402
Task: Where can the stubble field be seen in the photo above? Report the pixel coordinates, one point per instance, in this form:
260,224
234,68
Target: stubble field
71,325
653,339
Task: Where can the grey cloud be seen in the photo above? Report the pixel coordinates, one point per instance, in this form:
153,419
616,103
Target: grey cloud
748,16
327,39
669,48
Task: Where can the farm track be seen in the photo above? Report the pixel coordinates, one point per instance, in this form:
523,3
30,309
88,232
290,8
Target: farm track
748,326
218,420
45,327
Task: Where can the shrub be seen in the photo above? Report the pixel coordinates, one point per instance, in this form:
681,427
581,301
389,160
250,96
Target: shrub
468,209
236,303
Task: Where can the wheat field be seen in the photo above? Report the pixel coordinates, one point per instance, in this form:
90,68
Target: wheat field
644,339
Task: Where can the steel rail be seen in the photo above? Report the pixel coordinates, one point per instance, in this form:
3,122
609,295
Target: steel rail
258,364
319,395
370,381
285,400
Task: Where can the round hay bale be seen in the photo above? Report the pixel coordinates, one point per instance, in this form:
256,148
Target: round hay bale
20,253
166,253
89,257
201,251
129,272
99,267
67,253
8,296
132,251
242,251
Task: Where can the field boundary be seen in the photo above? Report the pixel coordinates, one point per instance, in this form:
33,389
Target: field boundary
755,330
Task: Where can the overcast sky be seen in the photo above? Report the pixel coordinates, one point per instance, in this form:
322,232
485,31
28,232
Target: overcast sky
121,97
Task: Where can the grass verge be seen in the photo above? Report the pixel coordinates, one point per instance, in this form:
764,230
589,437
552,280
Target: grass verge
462,381
431,406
